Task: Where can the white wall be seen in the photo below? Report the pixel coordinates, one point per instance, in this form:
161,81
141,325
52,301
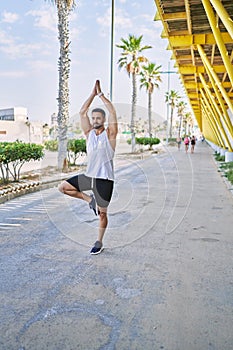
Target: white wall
20,128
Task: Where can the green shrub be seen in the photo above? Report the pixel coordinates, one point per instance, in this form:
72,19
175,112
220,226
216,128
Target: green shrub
75,148
145,141
219,158
227,166
13,155
229,175
228,170
51,145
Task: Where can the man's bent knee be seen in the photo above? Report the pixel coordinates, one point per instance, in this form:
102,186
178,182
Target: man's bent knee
65,186
61,187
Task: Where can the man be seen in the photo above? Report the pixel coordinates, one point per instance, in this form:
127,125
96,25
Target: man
99,175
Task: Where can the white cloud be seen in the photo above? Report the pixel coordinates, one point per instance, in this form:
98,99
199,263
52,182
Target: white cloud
12,74
9,17
146,17
10,47
39,65
5,39
121,20
150,34
21,50
45,18
98,3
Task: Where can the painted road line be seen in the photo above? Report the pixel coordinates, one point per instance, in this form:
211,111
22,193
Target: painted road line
4,224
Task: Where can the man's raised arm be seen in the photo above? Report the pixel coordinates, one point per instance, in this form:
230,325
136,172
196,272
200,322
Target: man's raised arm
85,121
112,118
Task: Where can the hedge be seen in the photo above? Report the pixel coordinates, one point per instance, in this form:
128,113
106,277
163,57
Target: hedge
13,155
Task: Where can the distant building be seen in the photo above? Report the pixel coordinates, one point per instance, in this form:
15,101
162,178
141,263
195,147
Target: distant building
15,125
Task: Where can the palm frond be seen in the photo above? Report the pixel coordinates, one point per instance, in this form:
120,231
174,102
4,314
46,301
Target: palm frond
150,76
145,48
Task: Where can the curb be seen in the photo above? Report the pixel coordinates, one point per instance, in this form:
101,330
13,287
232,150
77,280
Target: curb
27,187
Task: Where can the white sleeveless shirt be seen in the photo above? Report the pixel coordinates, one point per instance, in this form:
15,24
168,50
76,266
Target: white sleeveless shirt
99,156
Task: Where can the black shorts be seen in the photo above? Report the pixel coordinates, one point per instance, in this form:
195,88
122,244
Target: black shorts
102,188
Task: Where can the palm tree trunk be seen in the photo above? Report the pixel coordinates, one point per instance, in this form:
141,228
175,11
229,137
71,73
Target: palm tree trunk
133,111
149,113
180,124
63,93
171,122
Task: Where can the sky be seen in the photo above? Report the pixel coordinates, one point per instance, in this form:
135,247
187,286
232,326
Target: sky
29,51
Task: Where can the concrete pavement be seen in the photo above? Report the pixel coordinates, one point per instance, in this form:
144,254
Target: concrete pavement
164,280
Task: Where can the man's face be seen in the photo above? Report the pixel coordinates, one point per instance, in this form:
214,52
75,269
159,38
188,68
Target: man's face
97,120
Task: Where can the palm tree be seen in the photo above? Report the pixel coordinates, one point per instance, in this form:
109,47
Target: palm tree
64,8
188,120
181,112
131,60
171,98
150,76
190,123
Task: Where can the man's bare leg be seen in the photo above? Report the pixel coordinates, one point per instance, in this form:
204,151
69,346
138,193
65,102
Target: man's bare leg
66,188
103,223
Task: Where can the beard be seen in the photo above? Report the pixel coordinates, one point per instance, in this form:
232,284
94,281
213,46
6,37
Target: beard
97,126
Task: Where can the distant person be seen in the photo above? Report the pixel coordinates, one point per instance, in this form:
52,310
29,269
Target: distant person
193,143
186,143
99,175
178,140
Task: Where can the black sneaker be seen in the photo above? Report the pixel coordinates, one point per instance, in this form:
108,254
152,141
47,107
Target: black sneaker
92,204
97,249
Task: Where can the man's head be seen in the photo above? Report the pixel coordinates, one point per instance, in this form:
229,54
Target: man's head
98,118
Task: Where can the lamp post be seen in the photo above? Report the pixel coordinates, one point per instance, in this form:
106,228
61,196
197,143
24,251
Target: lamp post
111,51
168,72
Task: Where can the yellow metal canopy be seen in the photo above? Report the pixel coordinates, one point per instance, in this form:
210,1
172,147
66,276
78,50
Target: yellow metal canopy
200,35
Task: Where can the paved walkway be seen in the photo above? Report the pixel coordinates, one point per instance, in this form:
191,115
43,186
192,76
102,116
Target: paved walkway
164,280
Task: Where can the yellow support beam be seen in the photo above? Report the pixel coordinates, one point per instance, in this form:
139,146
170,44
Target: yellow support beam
189,22
222,104
196,39
216,112
211,123
193,96
197,86
209,112
157,17
215,77
184,57
199,69
207,129
213,116
174,16
222,13
209,132
217,34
